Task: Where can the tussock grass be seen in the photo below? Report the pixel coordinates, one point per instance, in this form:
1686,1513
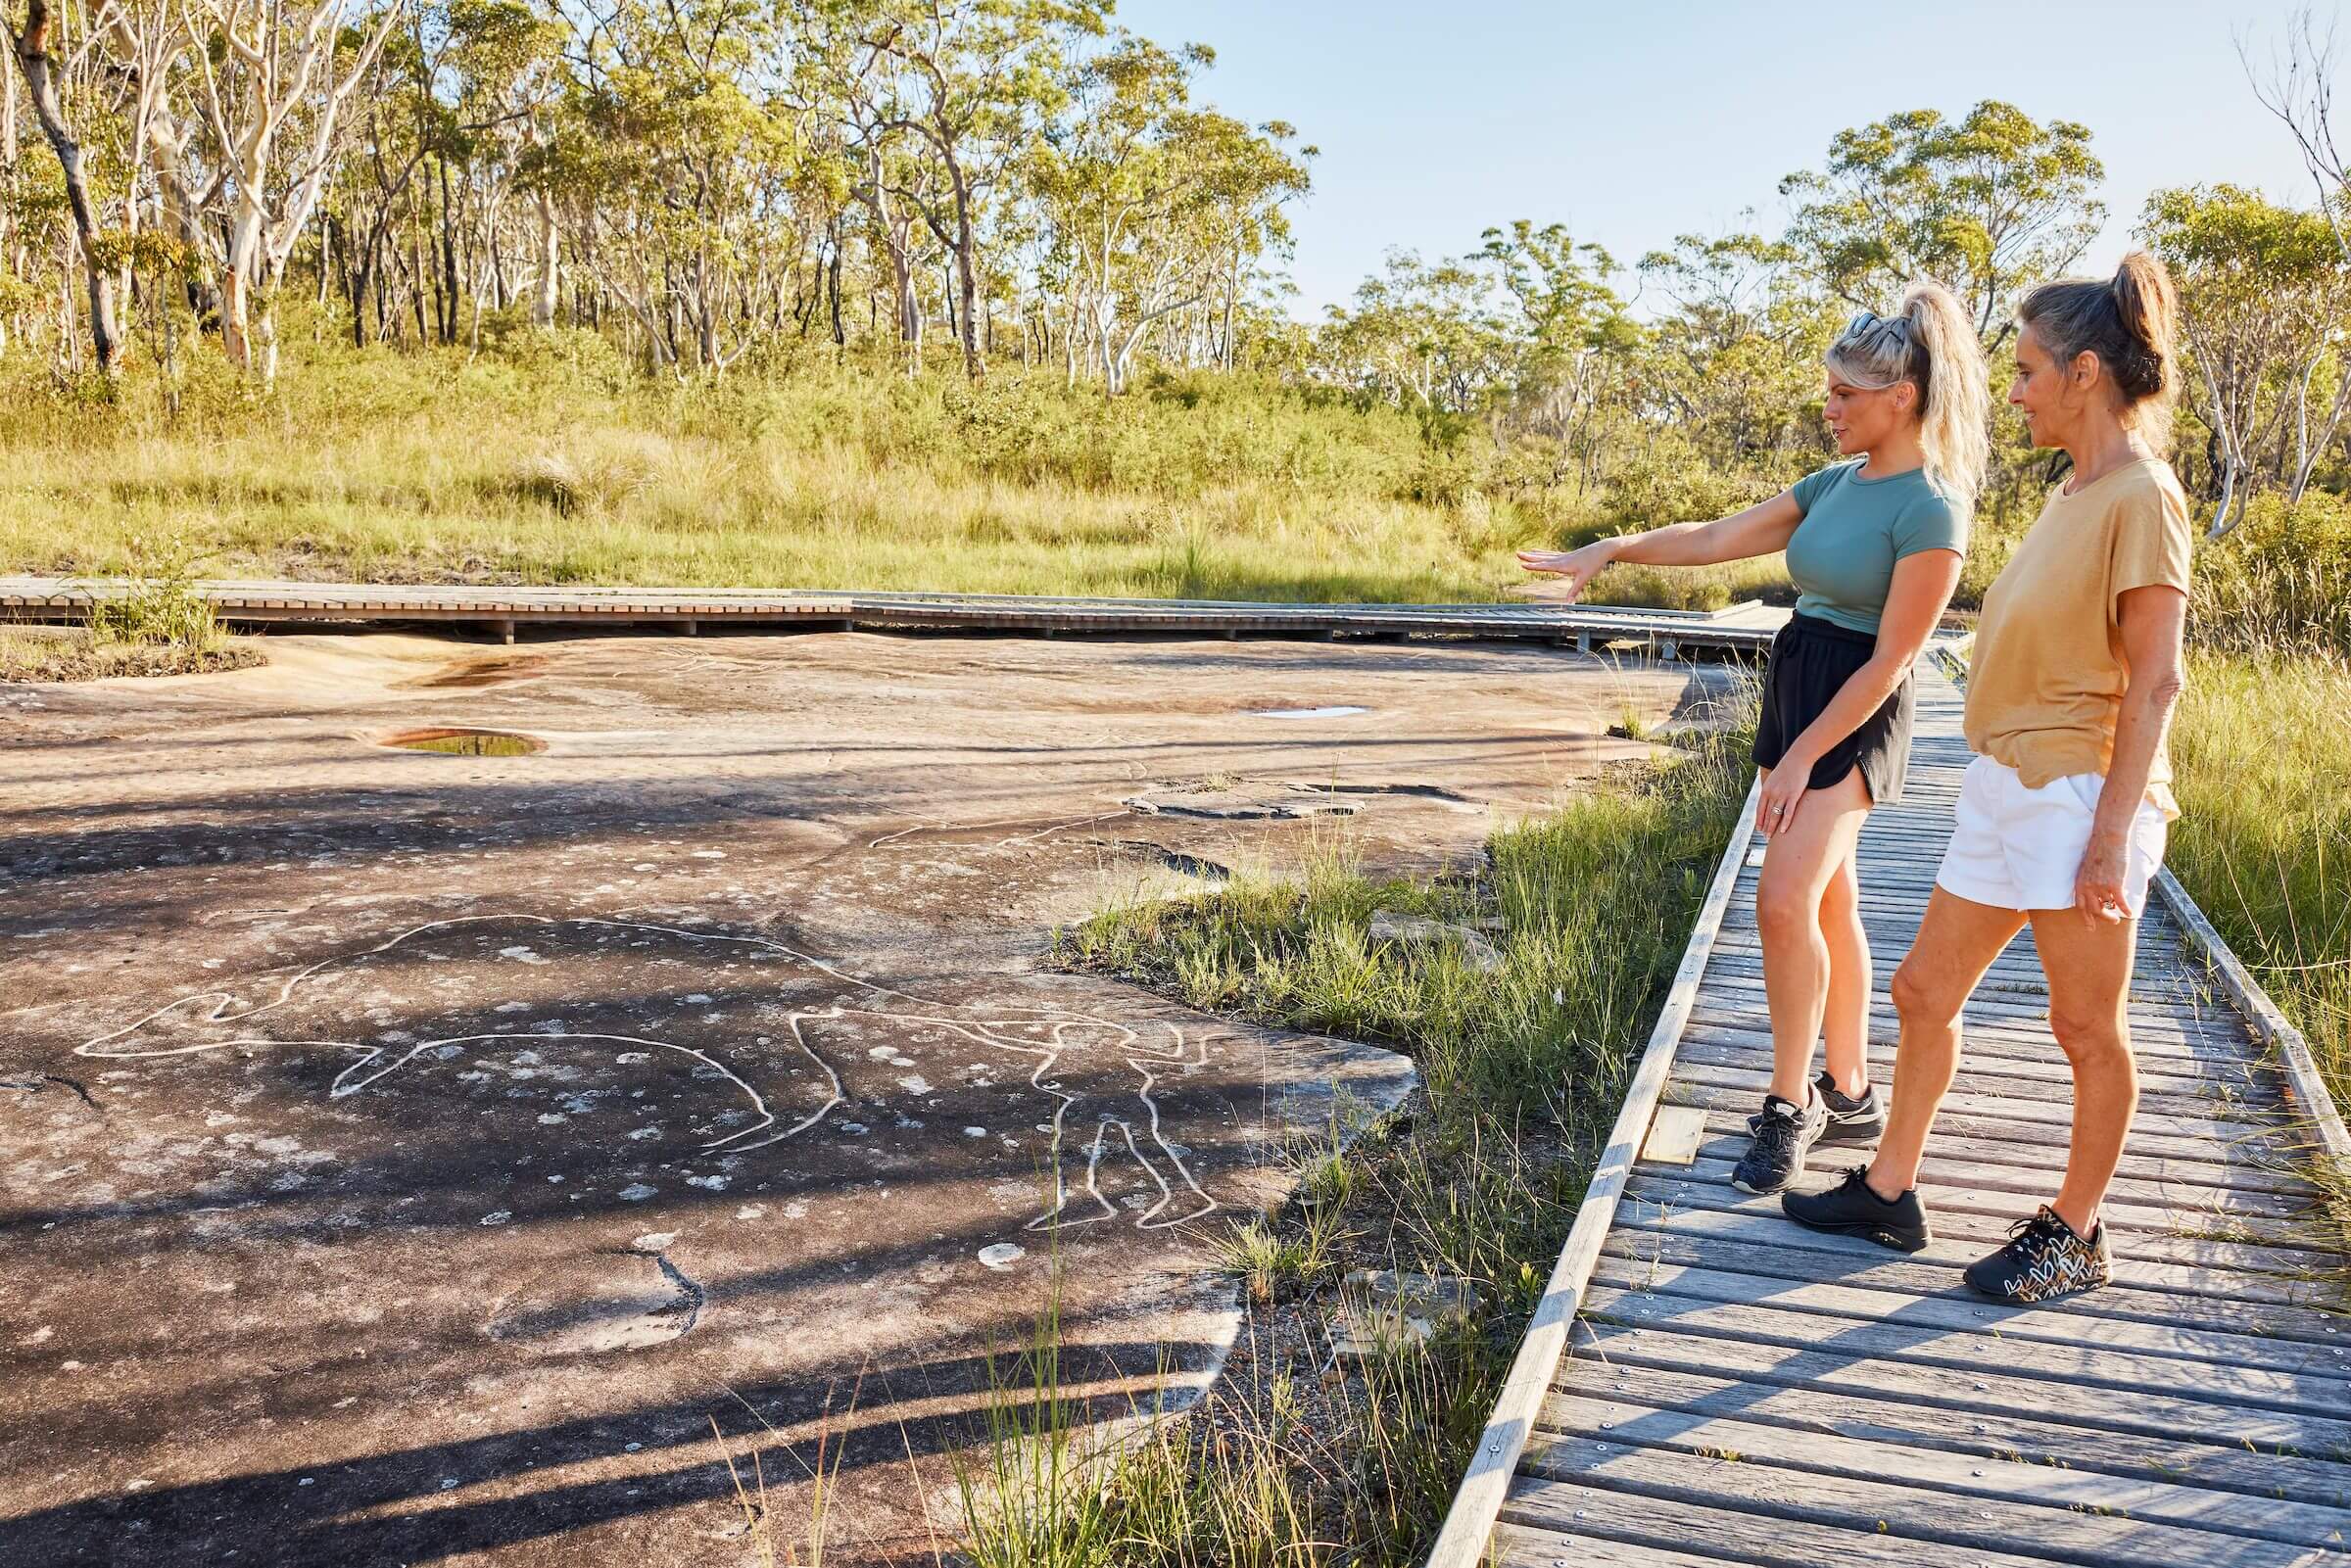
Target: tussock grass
1478,1179
32,654
546,460
2262,750
157,625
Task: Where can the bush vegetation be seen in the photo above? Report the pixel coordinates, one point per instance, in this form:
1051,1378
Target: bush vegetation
542,458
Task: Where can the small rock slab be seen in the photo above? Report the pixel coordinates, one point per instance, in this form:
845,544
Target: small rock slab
1390,925
1239,805
1382,1309
597,1304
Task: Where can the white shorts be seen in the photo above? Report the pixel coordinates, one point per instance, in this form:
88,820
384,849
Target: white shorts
2020,848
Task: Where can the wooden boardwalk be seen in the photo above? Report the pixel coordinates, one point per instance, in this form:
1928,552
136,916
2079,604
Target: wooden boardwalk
1709,1384
1742,629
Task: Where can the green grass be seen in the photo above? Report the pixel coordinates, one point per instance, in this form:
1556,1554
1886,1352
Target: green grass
544,460
1521,1071
2262,746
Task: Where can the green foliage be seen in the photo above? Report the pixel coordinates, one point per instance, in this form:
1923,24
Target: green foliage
2262,747
1988,204
2281,582
504,464
157,603
2266,295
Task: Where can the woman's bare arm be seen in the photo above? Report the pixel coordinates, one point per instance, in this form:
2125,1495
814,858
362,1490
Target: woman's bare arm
2153,624
1914,603
1759,530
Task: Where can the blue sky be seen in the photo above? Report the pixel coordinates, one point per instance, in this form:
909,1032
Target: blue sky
1636,122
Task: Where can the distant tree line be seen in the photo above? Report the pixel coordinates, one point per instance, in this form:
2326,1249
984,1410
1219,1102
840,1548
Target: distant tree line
706,181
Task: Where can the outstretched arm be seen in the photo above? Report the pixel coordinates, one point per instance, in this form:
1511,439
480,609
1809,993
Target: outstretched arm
1914,601
1759,530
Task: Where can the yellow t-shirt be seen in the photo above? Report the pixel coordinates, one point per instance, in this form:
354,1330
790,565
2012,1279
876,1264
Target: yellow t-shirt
2046,684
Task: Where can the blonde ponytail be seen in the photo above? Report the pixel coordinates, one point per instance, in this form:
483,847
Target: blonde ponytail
1937,350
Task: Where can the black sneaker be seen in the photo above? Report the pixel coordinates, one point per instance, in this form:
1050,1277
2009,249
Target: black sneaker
2044,1258
1784,1133
1851,1119
1851,1209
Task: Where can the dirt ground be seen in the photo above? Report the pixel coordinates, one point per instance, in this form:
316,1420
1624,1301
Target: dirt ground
428,1157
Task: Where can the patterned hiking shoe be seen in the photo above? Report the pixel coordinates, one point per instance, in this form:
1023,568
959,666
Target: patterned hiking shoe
1851,1119
1851,1209
1784,1134
2044,1258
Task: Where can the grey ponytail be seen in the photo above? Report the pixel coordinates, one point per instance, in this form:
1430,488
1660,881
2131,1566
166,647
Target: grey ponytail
2130,322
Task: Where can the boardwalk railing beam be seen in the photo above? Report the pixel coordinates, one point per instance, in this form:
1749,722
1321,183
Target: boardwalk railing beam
1741,631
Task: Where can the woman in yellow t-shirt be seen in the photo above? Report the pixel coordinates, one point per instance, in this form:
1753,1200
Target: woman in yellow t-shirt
2062,813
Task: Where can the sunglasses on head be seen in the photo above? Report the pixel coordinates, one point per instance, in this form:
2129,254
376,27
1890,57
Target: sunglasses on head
1867,322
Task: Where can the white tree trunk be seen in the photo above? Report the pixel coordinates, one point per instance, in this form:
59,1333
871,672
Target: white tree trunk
547,288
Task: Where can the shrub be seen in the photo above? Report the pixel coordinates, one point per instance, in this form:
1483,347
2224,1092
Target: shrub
2280,581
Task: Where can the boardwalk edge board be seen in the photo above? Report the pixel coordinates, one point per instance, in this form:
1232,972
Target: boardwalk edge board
2295,1059
1463,1541
1742,628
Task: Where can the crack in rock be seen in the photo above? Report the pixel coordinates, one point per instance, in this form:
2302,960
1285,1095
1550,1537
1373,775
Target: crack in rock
36,1085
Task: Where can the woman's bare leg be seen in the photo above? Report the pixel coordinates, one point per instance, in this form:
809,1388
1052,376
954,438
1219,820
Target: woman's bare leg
1845,1026
2089,970
1802,859
1956,943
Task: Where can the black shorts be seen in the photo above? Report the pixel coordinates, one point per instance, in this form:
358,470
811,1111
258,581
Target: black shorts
1812,660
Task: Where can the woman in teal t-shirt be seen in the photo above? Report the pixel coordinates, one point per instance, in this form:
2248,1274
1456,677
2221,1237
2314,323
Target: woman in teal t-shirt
1874,547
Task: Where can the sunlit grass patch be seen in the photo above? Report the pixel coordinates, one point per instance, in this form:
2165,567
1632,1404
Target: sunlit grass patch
2263,751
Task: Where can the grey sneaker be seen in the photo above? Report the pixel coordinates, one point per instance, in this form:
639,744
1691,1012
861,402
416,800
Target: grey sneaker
1784,1134
1851,1119
2044,1258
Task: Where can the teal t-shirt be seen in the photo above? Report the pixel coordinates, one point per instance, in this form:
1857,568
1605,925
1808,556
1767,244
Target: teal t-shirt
1854,529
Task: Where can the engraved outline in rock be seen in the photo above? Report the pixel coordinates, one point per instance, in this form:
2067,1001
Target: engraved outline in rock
990,1032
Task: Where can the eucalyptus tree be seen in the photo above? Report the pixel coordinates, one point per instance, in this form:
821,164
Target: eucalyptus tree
275,78
1420,333
1988,204
689,154
30,44
1150,195
2265,298
1737,359
1573,336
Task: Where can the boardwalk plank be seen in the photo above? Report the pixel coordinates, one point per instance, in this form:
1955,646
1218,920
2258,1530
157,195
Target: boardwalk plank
1952,1188
1981,1392
1966,1350
2287,1306
2005,1435
1628,1420
1985,1217
1546,1521
1921,1513
1946,1310
2260,1147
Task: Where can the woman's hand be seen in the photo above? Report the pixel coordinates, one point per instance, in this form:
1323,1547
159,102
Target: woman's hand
1575,567
2098,885
1784,792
